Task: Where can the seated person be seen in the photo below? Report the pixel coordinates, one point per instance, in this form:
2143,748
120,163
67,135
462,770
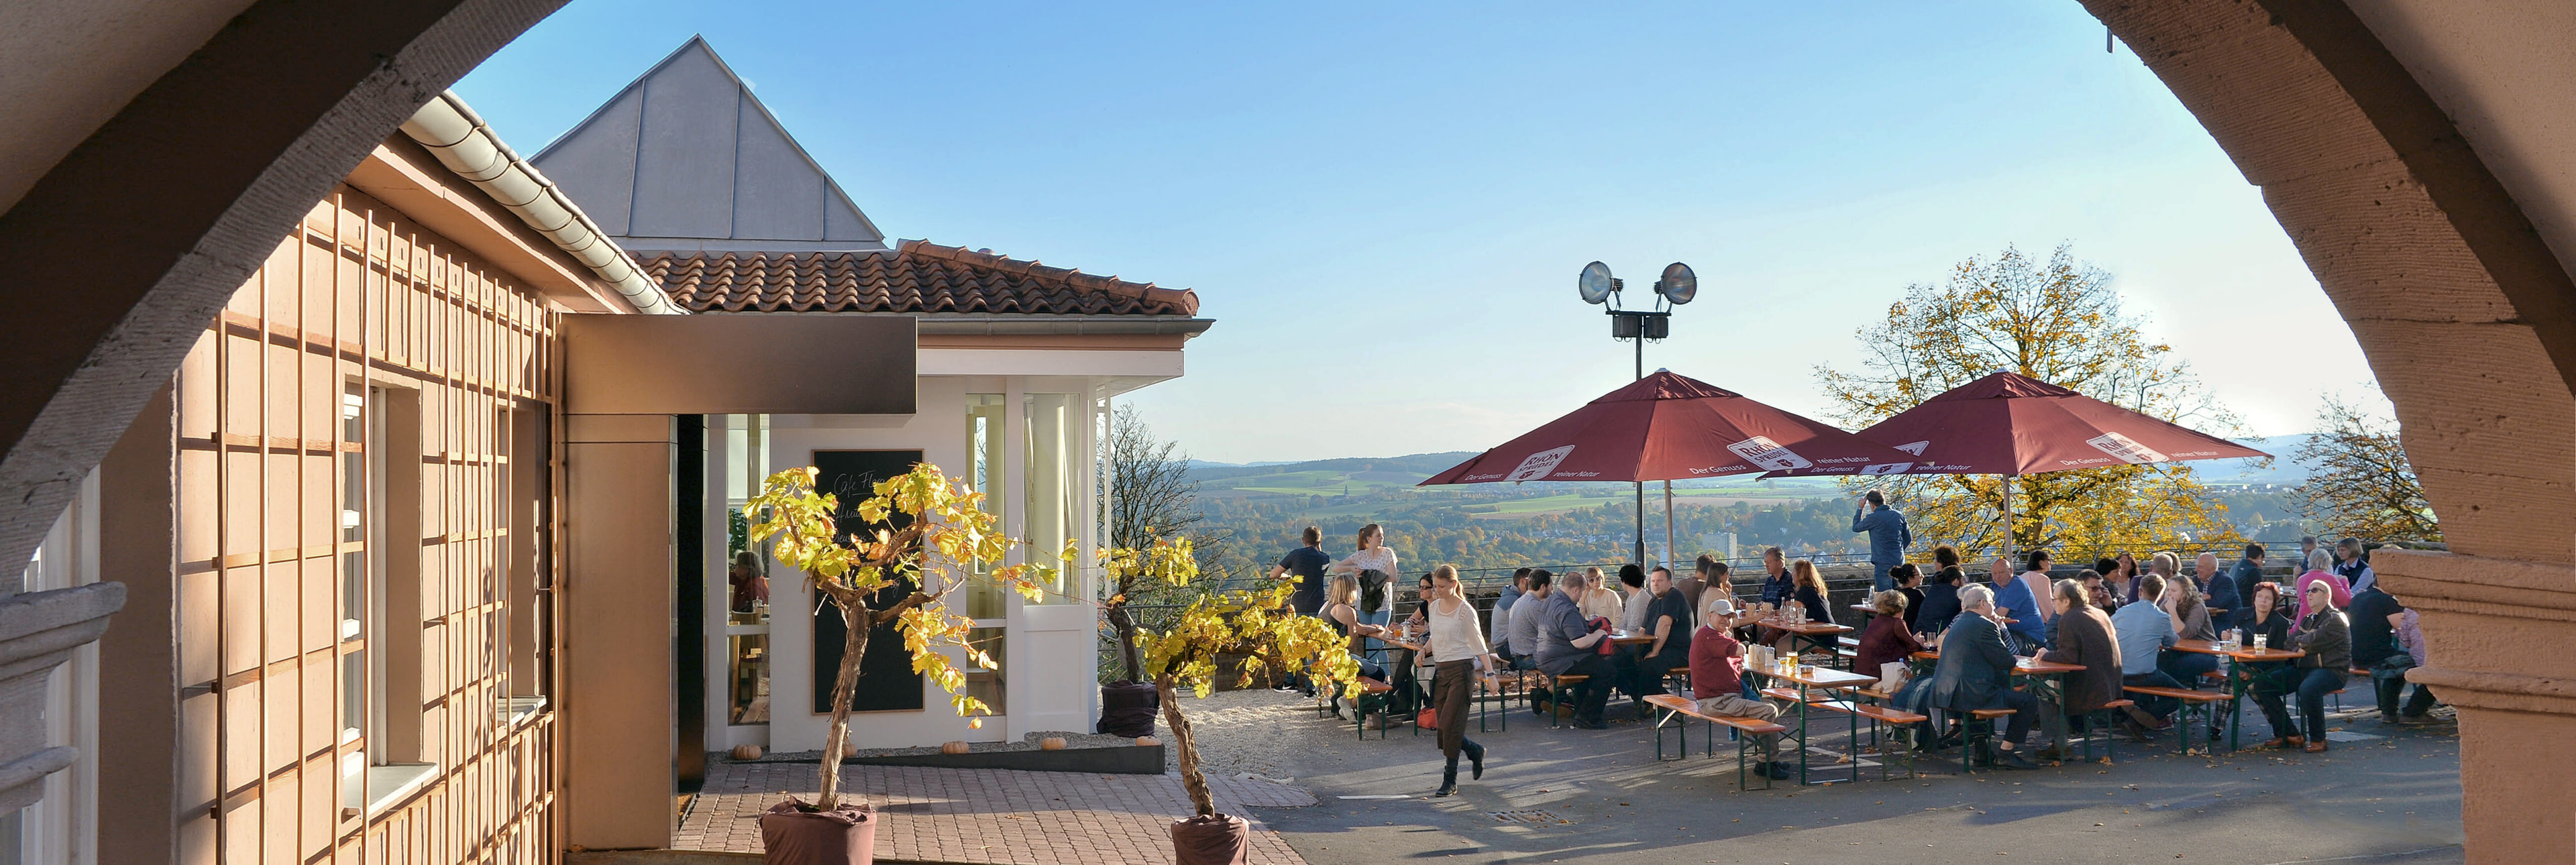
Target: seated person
1668,620
1941,597
1887,640
2084,639
2097,591
2017,599
1525,619
1340,596
1597,600
1568,645
1633,598
1717,680
2145,631
1909,582
1976,673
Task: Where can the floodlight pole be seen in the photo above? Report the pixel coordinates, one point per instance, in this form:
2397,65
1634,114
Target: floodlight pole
1677,286
1639,325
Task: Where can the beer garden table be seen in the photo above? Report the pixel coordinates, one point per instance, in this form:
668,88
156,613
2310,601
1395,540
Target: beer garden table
1809,678
2046,682
2240,675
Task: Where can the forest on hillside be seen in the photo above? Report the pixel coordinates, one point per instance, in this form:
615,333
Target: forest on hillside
1500,528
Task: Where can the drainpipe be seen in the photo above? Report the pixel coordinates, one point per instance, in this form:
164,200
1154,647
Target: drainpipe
465,144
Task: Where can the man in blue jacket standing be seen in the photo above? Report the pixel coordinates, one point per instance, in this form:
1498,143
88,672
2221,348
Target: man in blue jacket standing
1888,536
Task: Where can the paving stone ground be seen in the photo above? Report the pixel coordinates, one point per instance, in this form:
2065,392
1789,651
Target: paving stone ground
990,815
1321,796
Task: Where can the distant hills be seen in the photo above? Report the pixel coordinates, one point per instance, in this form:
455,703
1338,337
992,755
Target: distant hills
1349,475
2247,471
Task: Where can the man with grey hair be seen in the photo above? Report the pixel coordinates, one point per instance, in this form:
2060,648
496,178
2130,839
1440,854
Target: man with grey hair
2220,593
1567,646
1975,672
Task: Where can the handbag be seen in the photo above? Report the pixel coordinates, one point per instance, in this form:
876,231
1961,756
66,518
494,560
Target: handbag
1427,719
1893,675
2396,664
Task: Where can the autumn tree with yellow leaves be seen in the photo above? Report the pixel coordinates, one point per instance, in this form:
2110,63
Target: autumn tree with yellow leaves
1256,623
2363,486
944,537
2061,322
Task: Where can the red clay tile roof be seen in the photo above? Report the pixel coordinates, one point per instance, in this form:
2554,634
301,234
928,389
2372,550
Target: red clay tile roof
916,276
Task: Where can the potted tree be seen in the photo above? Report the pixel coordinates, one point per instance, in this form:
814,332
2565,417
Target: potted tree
1255,623
943,537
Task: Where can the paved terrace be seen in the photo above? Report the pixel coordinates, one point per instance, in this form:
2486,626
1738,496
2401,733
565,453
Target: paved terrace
2392,797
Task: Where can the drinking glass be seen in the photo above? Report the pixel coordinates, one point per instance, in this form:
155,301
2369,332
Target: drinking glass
2260,640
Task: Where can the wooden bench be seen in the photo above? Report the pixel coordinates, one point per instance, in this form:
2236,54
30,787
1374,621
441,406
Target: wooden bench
1557,707
2107,724
2195,709
1677,707
1901,742
1359,708
1971,734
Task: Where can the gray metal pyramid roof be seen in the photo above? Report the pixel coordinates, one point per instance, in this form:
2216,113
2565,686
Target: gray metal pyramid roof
685,158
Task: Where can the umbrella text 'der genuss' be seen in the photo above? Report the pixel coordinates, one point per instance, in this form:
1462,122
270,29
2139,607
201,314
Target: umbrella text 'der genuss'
1670,427
2009,424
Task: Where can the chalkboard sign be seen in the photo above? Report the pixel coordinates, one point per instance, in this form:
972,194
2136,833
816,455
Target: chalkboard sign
886,680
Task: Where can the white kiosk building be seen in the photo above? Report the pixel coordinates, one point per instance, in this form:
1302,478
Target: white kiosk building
1016,367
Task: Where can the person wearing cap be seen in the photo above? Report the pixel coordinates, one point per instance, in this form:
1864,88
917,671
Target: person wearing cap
1717,680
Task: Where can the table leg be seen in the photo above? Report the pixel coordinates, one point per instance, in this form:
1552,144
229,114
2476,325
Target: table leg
2236,682
1802,734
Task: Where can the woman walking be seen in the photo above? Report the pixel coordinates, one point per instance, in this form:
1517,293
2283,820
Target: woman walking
1458,651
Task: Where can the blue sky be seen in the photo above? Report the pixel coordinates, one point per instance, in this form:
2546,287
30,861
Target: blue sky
1384,205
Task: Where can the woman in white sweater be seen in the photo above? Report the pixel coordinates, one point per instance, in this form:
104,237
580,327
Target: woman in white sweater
1459,653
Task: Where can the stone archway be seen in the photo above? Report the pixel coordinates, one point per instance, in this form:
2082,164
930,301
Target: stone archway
116,265
2467,317
2469,322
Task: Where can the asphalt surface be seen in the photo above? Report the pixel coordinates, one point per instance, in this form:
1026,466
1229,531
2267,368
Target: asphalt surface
1600,796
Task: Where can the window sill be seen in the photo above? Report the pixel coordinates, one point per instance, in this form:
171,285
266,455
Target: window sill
518,709
383,786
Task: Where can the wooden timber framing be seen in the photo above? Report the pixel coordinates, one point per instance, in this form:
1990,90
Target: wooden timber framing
279,548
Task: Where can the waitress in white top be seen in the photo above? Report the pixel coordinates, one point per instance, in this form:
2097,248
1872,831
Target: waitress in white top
1458,650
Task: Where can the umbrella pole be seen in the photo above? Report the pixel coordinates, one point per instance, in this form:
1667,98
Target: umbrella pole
1641,525
2008,514
1668,525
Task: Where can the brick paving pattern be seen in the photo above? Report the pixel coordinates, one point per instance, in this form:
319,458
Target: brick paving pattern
990,815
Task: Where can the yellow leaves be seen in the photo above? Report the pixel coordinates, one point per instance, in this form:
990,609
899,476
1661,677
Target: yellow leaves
1251,623
2060,321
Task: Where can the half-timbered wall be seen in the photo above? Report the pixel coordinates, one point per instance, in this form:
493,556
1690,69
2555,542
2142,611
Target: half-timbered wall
365,546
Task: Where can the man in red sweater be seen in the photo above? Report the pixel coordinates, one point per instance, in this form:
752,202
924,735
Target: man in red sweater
1717,679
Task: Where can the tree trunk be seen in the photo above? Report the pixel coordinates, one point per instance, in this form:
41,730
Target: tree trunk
856,621
1125,627
1191,781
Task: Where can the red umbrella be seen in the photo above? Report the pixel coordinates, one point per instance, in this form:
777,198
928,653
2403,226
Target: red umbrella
1668,427
2008,424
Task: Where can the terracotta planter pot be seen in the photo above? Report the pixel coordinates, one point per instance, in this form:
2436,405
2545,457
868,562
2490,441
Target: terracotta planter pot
793,835
1128,709
1217,840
